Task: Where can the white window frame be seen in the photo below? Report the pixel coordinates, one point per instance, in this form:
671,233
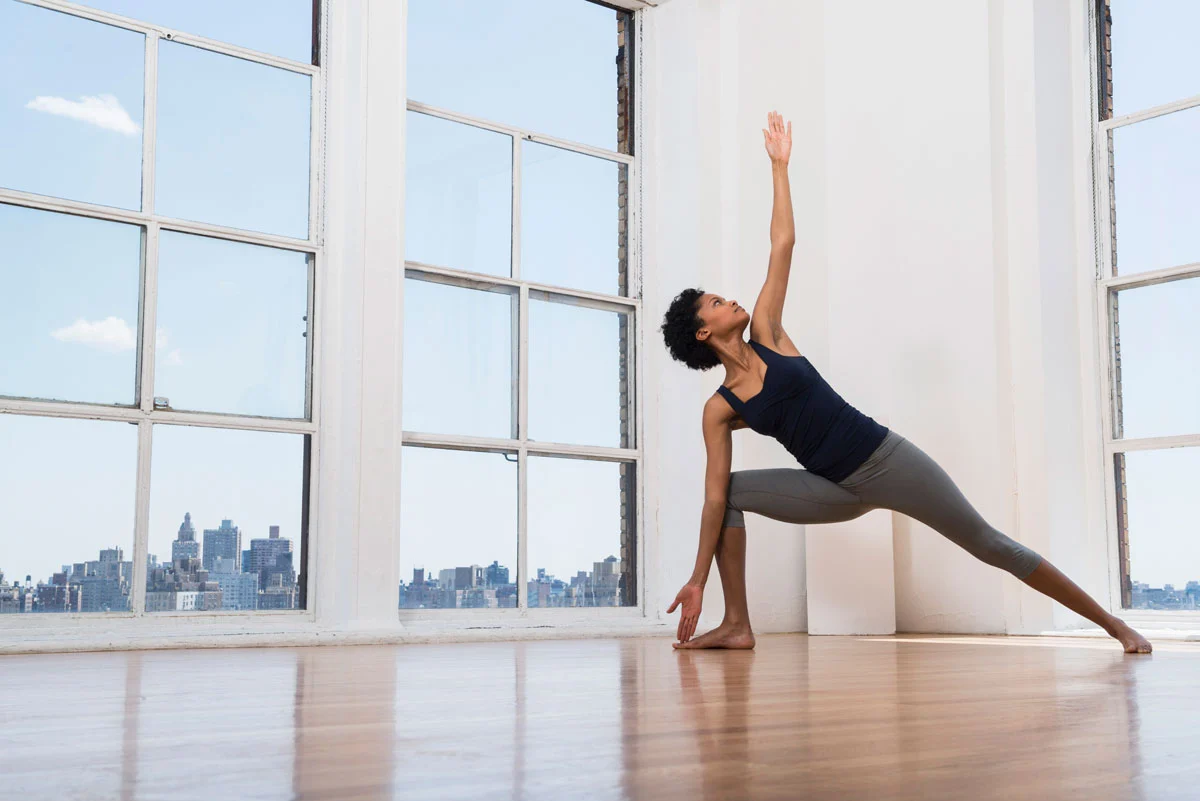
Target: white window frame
520,444
357,335
1107,284
144,415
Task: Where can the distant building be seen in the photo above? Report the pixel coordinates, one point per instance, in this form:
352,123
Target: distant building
601,587
57,596
185,545
239,591
104,584
271,559
496,575
1167,598
184,584
223,543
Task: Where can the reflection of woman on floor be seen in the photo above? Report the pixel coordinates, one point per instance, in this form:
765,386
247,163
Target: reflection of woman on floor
853,463
721,725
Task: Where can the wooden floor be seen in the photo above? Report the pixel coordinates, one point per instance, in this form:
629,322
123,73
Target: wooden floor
800,718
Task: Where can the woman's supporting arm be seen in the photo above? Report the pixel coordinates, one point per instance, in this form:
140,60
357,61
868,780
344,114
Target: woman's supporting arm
718,442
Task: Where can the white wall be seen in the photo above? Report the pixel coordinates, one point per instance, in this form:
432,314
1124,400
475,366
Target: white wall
941,279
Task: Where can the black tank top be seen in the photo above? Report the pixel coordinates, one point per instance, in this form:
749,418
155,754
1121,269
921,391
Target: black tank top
797,406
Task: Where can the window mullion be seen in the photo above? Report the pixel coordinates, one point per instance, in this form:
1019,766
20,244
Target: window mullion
523,451
149,319
141,524
149,122
515,267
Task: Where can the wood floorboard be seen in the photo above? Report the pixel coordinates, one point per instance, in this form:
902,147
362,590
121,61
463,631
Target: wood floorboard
799,718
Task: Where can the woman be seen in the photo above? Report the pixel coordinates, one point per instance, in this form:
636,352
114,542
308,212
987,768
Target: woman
854,464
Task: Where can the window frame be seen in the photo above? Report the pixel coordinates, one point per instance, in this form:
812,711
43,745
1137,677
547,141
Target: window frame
1108,283
143,413
631,305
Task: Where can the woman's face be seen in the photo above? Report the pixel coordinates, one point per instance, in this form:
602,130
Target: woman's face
720,316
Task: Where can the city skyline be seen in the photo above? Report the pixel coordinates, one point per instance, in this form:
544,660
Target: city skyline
480,586
211,574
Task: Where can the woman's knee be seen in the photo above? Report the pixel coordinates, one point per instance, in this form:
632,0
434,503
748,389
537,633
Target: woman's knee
999,550
734,517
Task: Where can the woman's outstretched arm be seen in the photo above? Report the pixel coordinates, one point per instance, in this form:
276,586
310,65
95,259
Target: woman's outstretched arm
766,324
718,443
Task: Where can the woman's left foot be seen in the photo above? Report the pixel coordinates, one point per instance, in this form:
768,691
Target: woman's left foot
1131,641
739,638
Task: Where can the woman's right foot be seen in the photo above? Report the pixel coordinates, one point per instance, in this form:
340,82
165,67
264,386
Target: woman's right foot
732,637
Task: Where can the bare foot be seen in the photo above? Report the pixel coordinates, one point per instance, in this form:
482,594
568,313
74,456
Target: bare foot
1131,641
723,636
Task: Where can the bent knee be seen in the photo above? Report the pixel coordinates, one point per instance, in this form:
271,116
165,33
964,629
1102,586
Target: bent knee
734,516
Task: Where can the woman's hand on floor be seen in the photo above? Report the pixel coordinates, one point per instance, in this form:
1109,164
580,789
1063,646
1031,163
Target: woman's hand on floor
691,597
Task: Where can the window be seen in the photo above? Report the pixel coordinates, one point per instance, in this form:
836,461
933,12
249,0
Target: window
158,207
520,465
1149,291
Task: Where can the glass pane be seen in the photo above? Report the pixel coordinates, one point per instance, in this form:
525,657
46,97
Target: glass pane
70,107
67,490
1157,167
233,142
231,327
581,533
578,390
279,27
544,65
69,307
1162,506
225,512
458,529
1154,54
572,220
1159,349
458,360
458,202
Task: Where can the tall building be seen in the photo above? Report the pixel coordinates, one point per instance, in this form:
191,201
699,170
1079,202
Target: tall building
223,543
421,594
104,583
264,553
272,560
184,584
12,597
57,596
185,545
496,575
239,591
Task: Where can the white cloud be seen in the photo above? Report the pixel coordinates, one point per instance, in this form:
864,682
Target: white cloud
103,111
111,334
166,358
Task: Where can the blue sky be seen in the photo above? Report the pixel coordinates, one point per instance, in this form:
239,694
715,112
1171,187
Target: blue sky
233,150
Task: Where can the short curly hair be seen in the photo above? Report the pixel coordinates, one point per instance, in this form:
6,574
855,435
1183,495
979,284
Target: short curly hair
679,328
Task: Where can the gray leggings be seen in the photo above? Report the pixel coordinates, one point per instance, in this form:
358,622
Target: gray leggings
898,476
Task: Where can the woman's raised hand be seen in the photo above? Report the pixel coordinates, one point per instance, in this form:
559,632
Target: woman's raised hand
778,138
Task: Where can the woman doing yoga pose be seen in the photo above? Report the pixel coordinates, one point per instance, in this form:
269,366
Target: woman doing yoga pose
853,464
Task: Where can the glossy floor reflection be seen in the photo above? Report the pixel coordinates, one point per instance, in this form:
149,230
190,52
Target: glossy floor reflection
814,718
